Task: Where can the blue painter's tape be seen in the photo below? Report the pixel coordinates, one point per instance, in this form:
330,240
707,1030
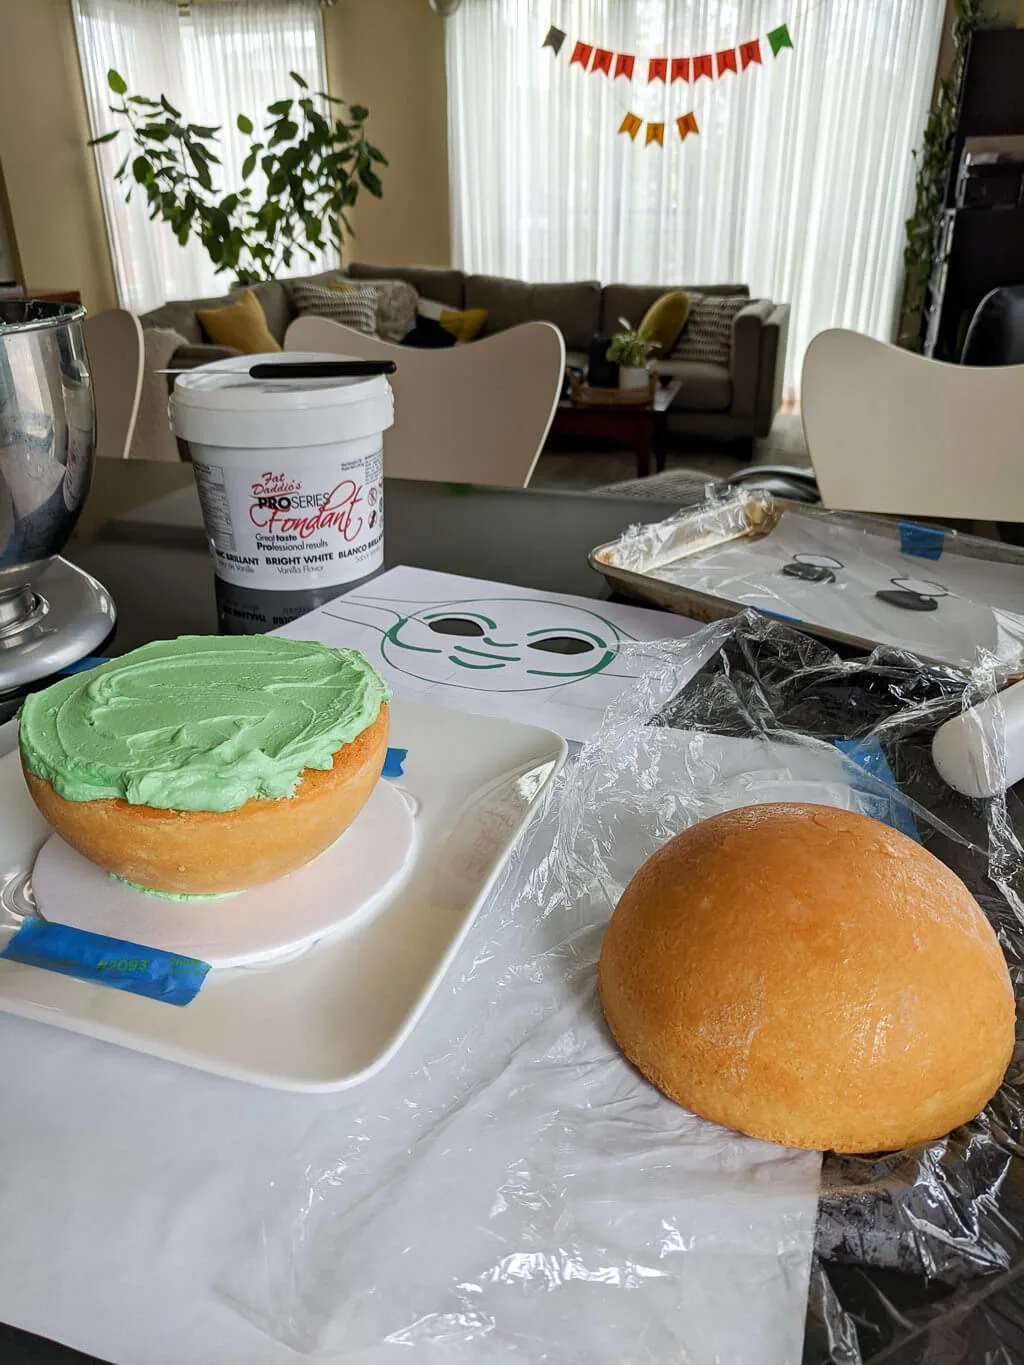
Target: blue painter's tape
110,961
83,665
891,810
925,542
780,616
393,763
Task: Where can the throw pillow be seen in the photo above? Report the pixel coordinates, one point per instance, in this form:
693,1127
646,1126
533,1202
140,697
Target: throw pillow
428,335
707,336
355,308
665,319
396,305
465,325
242,324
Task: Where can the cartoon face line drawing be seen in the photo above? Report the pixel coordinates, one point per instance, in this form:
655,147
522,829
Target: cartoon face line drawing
491,644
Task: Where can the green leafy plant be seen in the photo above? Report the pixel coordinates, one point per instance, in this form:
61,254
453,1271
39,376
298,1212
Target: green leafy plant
632,347
933,160
314,156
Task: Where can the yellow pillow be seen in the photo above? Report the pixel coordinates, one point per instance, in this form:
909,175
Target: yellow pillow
242,324
463,326
666,318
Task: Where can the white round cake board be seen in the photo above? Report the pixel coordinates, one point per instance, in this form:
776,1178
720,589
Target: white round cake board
333,892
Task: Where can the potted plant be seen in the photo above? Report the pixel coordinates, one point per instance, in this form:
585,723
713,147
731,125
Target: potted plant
631,350
314,157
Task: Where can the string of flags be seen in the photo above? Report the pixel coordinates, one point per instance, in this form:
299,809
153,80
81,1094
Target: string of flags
626,65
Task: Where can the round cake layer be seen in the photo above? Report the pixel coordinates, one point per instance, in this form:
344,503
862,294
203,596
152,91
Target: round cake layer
201,723
811,977
207,852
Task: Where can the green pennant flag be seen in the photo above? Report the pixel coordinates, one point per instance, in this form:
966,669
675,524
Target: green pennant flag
554,40
779,38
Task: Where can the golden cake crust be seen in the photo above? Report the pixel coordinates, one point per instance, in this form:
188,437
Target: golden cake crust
810,977
205,852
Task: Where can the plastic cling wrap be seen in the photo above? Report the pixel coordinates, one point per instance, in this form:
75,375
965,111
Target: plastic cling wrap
510,1190
853,578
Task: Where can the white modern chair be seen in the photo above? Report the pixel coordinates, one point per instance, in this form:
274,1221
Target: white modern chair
113,343
891,431
477,413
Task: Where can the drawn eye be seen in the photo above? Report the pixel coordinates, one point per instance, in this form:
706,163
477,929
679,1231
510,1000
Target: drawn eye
456,625
562,644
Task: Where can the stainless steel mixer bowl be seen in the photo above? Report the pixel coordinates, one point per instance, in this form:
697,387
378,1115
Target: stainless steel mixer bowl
47,445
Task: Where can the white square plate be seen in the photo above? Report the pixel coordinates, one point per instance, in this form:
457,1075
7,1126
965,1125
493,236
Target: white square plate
335,1015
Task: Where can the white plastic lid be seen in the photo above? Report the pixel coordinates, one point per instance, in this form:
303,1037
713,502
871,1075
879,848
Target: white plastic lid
219,405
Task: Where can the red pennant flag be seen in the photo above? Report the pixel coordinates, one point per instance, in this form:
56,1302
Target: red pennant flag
581,53
750,52
702,66
686,125
680,68
726,60
624,66
657,69
602,61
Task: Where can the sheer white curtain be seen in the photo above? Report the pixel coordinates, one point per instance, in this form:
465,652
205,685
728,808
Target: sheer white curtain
213,62
798,183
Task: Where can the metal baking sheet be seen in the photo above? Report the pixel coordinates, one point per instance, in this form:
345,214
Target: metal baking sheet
858,580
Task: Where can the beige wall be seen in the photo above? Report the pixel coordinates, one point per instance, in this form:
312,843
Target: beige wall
1000,13
389,55
52,190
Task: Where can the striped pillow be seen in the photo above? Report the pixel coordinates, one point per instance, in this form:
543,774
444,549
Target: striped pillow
707,335
356,308
396,305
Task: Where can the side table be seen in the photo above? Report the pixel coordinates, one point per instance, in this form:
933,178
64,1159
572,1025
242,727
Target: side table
640,426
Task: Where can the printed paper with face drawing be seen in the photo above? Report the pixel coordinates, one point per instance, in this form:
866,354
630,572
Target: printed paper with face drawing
544,658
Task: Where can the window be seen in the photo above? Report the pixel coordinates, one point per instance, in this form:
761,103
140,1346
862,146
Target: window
213,61
797,184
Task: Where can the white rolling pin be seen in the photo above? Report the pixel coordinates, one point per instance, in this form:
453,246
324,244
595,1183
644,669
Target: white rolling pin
996,728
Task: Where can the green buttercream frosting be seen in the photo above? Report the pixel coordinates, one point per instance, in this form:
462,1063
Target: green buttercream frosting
201,722
175,895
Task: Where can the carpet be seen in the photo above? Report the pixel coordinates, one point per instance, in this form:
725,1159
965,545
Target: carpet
575,466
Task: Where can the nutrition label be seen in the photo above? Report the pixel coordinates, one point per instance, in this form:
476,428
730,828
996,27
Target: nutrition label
213,498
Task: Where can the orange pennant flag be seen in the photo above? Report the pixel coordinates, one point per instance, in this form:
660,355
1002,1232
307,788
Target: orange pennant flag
581,53
602,61
657,69
655,133
631,125
624,65
702,67
680,68
726,60
686,125
750,52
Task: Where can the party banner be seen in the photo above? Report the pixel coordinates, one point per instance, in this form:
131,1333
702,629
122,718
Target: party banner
616,66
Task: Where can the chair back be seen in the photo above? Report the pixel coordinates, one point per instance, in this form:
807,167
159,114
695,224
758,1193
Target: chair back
477,413
996,333
890,431
113,343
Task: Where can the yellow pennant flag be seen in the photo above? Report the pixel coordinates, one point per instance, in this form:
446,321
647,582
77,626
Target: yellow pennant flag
655,133
631,125
687,124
